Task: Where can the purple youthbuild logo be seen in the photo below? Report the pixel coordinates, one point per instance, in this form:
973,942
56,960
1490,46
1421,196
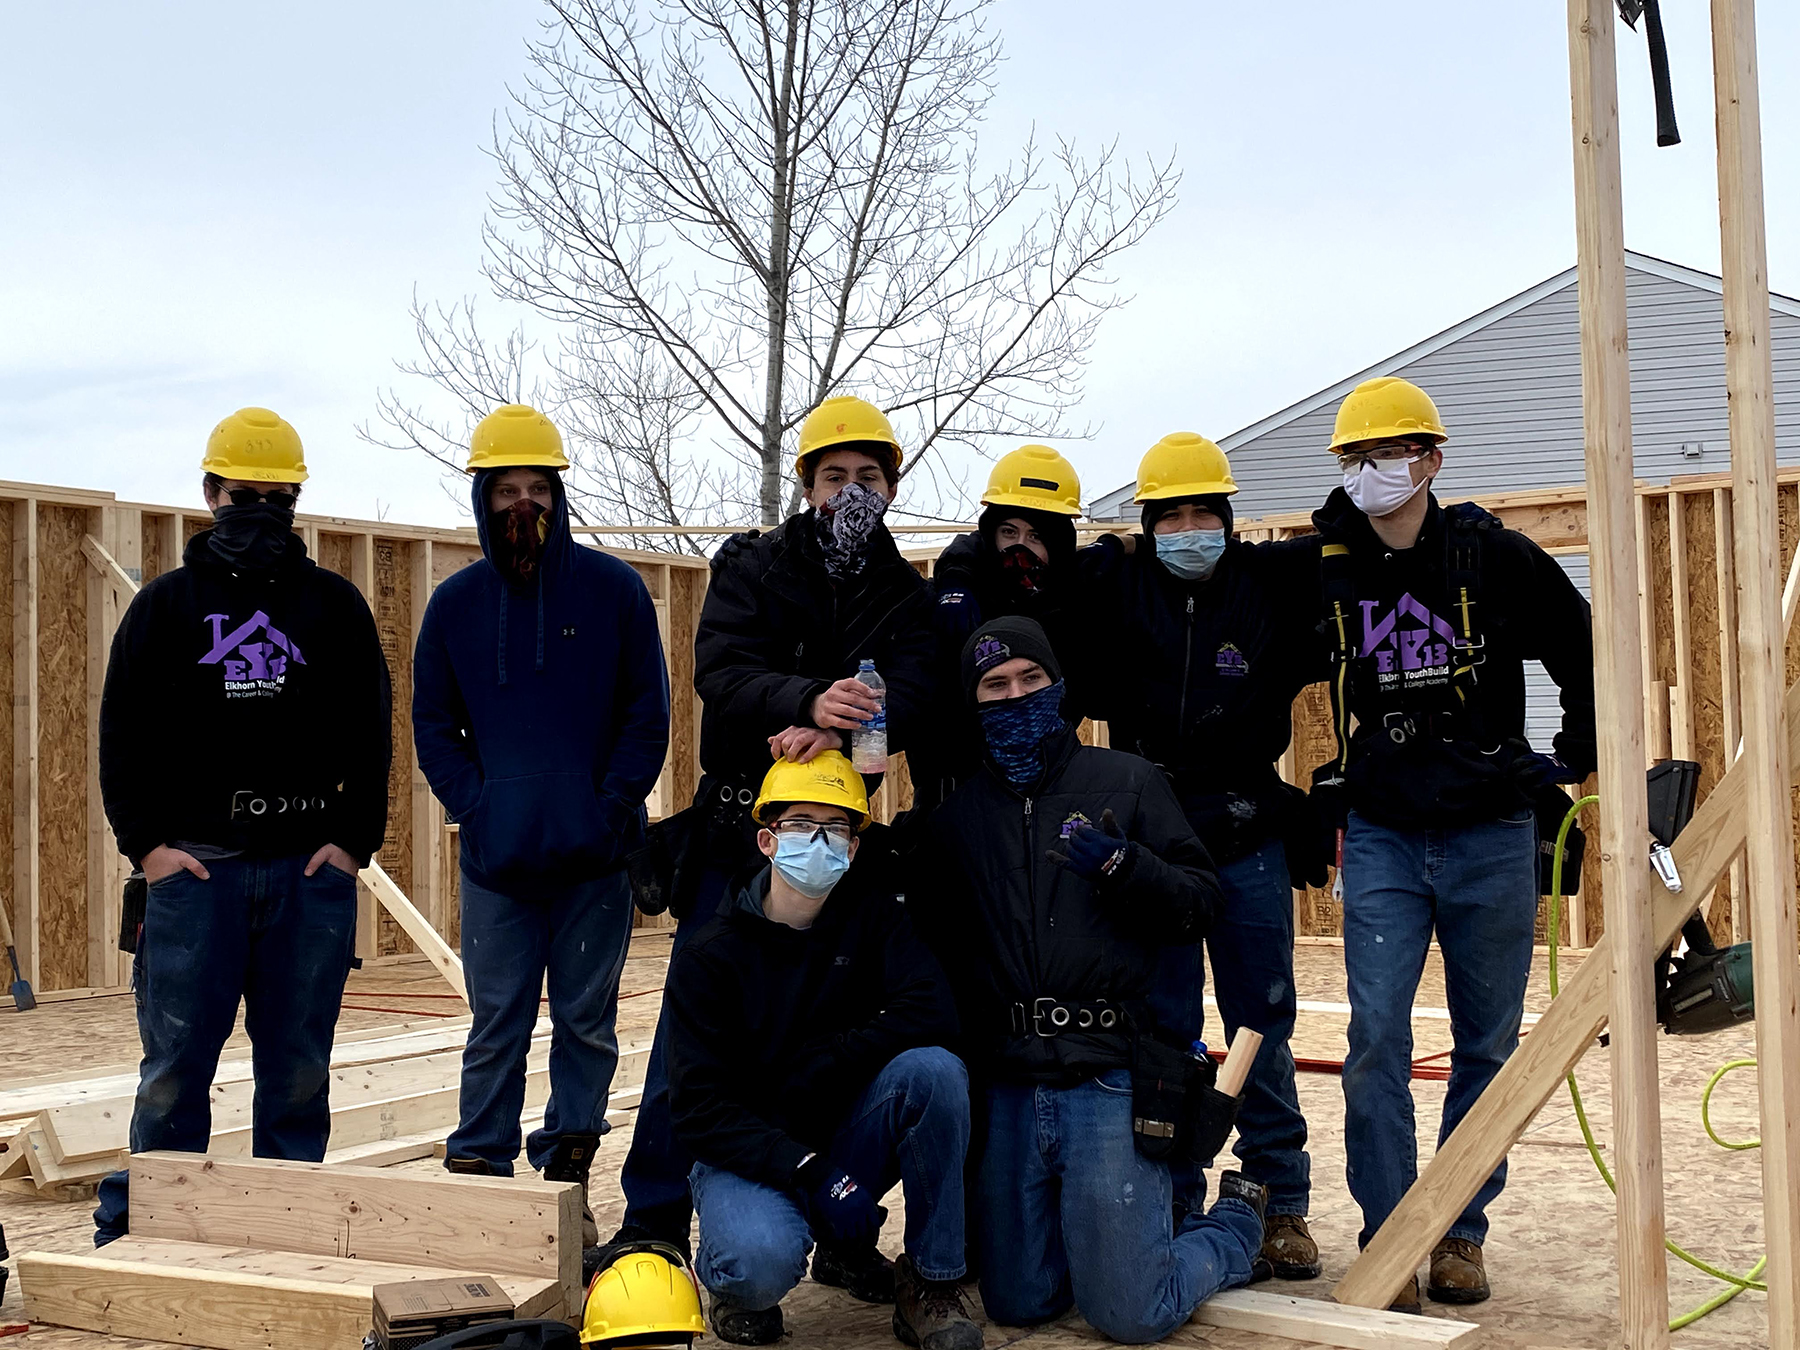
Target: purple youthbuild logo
254,656
1409,645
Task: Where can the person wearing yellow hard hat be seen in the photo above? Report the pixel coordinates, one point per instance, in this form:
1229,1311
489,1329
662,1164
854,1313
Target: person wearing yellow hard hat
1437,801
1205,660
1022,559
791,618
808,1074
541,721
1052,883
245,845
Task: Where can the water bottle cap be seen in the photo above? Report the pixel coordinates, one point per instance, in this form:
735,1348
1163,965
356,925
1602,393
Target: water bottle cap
1198,1049
868,663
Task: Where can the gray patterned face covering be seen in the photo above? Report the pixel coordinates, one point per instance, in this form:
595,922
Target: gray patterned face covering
850,518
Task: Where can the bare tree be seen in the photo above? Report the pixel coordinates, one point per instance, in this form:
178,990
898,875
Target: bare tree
734,209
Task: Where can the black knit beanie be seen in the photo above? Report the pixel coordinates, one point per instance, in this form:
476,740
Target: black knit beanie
1216,502
1002,640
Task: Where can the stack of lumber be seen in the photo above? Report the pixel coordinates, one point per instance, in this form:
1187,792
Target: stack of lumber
237,1253
393,1098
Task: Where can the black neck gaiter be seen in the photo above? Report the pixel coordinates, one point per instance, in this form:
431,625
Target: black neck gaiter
254,538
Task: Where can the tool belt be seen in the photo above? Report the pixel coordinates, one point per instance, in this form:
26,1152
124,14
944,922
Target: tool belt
665,872
283,802
1050,1017
1176,1112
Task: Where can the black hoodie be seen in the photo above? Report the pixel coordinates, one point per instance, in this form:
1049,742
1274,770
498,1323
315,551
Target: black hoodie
1526,608
775,1032
226,689
776,631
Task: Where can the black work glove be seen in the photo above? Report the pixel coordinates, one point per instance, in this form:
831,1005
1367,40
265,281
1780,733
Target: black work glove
1534,772
1095,853
958,613
837,1206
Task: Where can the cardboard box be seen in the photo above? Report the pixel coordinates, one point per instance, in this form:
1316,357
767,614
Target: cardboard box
412,1312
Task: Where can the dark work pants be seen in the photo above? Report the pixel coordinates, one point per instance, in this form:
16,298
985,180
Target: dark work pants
263,934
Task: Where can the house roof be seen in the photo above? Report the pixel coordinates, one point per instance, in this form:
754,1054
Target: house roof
1636,262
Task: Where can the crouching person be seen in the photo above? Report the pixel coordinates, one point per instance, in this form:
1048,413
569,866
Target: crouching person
806,1075
1056,877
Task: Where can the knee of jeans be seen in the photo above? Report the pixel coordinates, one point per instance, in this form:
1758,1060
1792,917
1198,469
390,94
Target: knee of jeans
755,1275
931,1074
1017,1307
1131,1325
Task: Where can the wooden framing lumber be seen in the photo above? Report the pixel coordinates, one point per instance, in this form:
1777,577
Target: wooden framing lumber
1761,643
493,1225
231,1299
1317,1322
25,887
417,927
1620,597
1536,1069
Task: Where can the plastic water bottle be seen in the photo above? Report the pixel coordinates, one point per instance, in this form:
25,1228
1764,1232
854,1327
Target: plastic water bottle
868,743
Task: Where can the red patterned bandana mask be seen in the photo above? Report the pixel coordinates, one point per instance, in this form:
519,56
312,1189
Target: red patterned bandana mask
517,537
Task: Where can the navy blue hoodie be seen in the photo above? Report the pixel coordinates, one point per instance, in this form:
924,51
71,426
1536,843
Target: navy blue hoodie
541,712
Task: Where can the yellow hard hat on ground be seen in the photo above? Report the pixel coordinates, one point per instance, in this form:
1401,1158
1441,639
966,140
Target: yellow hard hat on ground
1035,477
255,445
1384,408
827,779
646,1291
841,421
1183,464
516,436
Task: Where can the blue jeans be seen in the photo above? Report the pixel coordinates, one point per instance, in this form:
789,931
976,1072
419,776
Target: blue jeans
263,934
1252,950
911,1126
655,1175
1072,1213
1476,886
578,935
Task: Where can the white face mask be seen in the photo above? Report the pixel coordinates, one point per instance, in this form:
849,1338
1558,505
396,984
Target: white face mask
1380,488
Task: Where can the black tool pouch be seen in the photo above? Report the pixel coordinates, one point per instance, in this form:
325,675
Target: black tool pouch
1176,1112
131,912
651,867
1550,804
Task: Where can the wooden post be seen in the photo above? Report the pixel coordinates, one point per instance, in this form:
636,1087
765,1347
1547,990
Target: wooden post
1725,568
1769,847
427,815
1681,710
1618,672
25,739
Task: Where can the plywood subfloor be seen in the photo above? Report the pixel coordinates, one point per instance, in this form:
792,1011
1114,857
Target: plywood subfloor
1549,1254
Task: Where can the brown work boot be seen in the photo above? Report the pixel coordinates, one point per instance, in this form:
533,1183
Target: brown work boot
1407,1300
1289,1248
1457,1272
931,1314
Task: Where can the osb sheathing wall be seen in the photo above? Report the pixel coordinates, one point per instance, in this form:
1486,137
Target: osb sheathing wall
62,890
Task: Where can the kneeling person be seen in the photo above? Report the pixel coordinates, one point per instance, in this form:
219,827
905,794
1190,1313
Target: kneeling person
806,1076
1057,876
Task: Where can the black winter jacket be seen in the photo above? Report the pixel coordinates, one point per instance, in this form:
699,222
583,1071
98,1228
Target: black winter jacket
1011,926
775,1032
1201,680
776,630
227,688
949,752
1402,623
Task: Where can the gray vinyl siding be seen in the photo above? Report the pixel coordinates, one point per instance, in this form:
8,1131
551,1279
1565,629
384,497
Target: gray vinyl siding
1543,707
1509,390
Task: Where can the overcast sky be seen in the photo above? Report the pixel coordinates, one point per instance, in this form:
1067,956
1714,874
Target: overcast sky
209,205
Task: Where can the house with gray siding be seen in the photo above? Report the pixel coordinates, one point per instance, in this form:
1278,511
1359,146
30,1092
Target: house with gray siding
1507,383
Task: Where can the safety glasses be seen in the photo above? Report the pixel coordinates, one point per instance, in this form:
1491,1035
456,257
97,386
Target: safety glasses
281,501
812,829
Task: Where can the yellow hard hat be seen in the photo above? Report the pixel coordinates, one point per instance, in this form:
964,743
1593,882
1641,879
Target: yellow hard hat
1183,464
1383,408
839,421
516,436
257,446
646,1291
826,779
1034,476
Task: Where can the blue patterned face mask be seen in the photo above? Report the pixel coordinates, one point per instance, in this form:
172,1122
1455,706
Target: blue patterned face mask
1191,554
1016,729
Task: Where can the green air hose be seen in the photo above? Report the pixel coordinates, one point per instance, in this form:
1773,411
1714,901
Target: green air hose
1738,1283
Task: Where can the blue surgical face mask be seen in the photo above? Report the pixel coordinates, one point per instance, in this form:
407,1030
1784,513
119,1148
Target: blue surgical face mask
1192,554
811,865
